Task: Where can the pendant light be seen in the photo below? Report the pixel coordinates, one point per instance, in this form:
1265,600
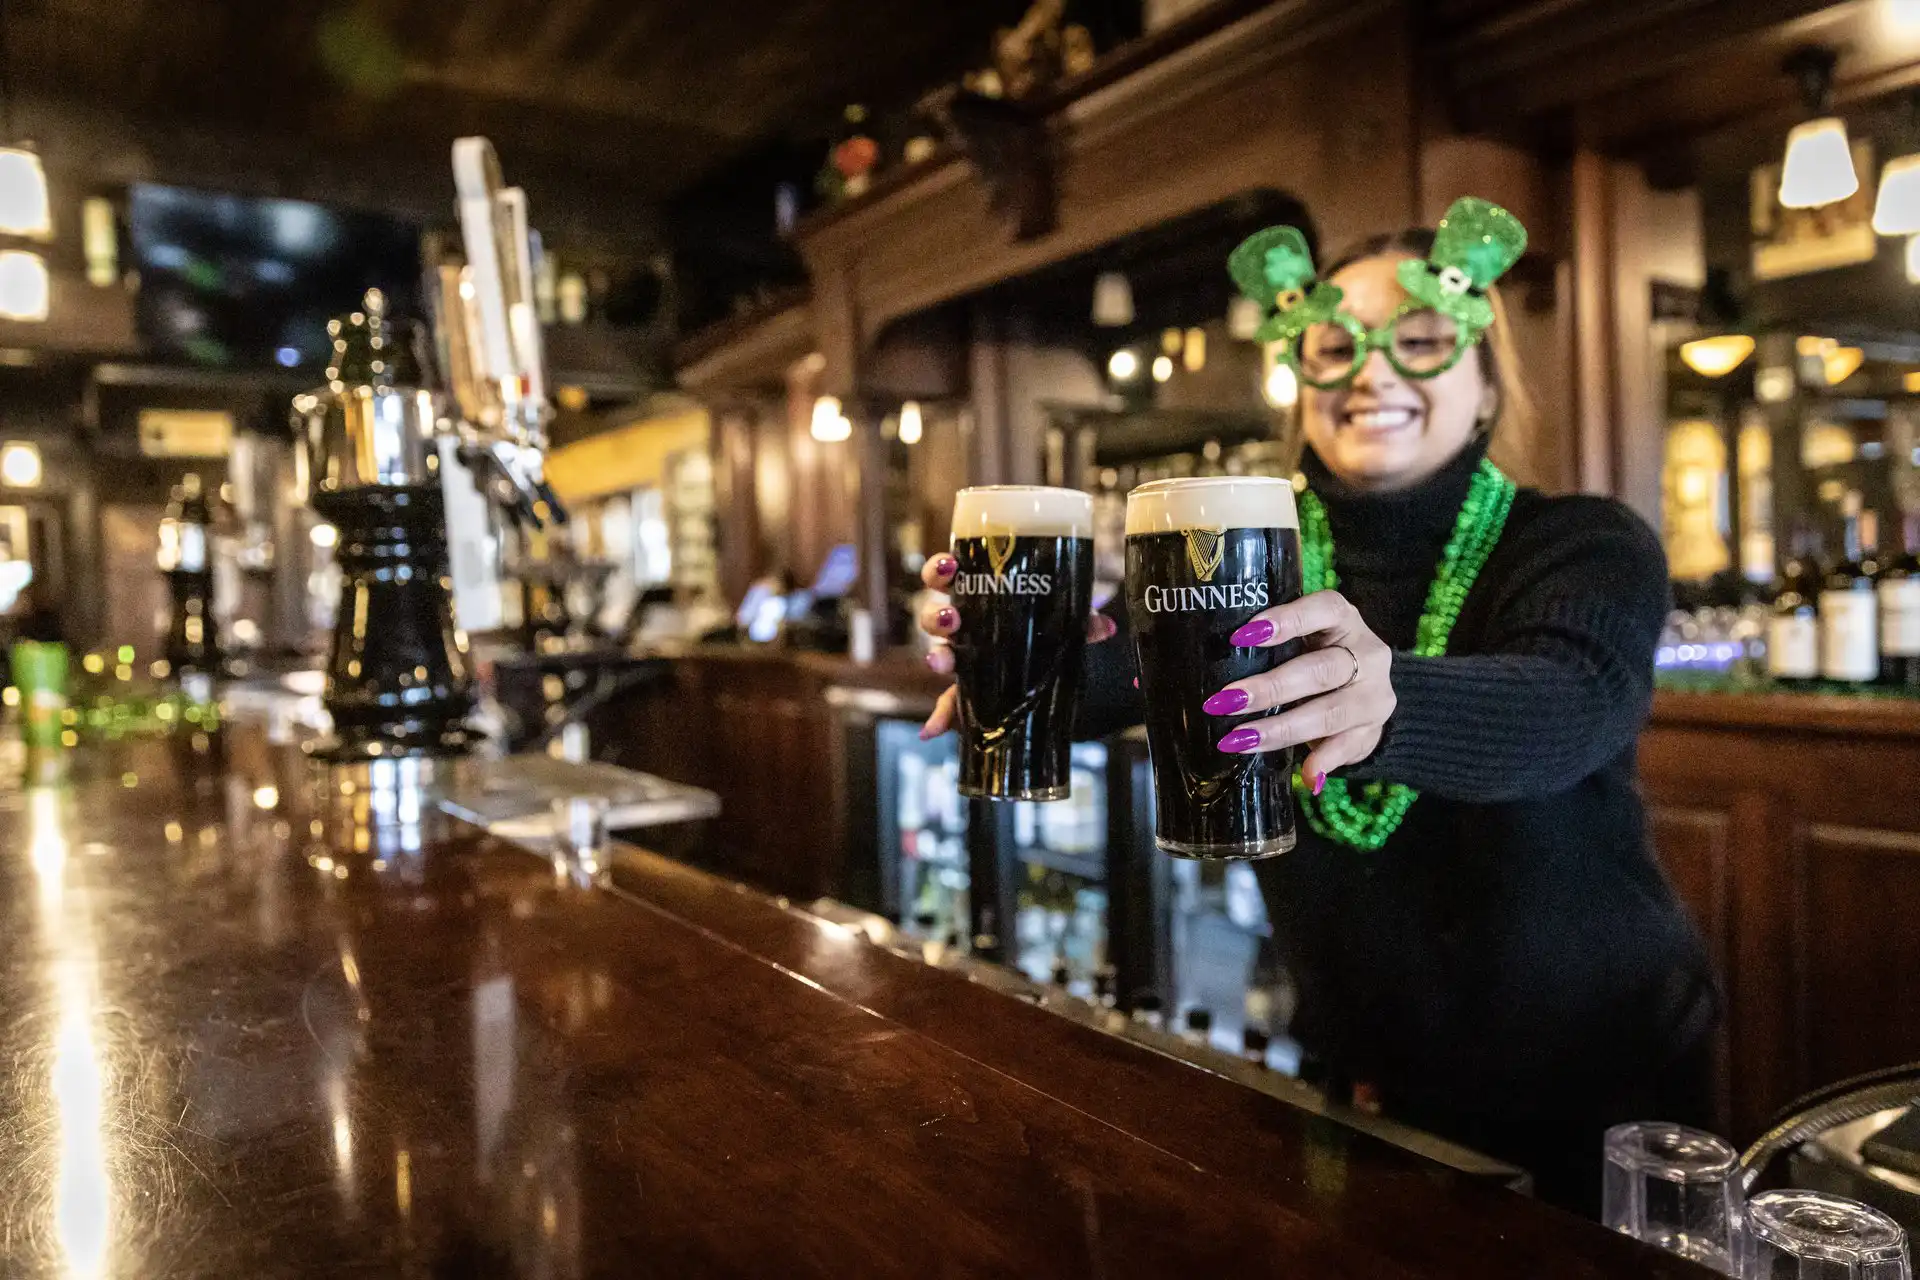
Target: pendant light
1718,356
912,427
1112,300
25,288
1818,169
24,209
1243,318
1896,208
1728,342
829,424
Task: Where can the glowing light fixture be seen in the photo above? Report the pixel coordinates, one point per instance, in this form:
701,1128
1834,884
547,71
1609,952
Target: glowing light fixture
1842,363
24,210
1818,169
1193,351
1162,368
1910,381
100,241
1896,210
1718,356
830,425
323,536
1819,165
911,427
1243,318
1123,365
20,464
1112,300
1282,386
25,290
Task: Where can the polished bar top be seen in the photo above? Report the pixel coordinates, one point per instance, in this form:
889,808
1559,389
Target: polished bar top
240,1036
1862,716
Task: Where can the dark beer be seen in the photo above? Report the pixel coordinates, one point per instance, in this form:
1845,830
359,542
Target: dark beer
1023,591
1203,557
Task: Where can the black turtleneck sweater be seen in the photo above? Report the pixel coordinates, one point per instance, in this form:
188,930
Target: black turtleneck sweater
1511,970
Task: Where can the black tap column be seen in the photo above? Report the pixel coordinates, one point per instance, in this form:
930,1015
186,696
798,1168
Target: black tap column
398,678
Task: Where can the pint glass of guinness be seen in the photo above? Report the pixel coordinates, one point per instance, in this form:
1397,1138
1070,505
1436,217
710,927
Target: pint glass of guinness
1203,557
1023,592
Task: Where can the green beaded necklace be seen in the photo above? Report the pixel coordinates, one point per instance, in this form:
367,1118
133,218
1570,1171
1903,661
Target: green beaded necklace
1366,820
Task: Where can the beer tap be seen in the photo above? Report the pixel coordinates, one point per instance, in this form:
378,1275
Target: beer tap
379,438
491,316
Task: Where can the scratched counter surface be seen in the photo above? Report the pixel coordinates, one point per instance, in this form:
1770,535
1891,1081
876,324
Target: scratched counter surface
246,1030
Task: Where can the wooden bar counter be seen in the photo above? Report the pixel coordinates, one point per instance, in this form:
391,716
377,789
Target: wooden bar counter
245,1031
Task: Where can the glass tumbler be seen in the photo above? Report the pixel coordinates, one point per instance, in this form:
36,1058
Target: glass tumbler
1809,1235
580,837
1675,1188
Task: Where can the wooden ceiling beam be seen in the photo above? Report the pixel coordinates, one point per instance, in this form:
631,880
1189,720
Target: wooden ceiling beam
640,25
475,28
520,80
562,23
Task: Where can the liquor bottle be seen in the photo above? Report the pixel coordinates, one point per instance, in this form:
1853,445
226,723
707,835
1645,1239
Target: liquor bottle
1898,590
1849,621
1146,1012
192,646
1793,630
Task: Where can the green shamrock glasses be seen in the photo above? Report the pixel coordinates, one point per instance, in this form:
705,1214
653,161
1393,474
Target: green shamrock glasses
1447,311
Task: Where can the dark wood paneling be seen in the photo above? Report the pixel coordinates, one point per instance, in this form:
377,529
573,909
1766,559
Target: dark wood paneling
1857,946
1791,829
755,727
1693,849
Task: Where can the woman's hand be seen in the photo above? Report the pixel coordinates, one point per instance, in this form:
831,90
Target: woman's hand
941,621
1343,686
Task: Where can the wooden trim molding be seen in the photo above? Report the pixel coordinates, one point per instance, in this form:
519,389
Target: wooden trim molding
1267,101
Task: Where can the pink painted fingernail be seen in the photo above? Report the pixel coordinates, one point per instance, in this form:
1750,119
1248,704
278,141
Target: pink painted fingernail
1225,702
1136,682
1240,740
1106,626
1319,781
931,663
1257,632
945,566
946,617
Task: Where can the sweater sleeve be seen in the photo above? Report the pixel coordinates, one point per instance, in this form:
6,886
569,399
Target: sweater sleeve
1563,680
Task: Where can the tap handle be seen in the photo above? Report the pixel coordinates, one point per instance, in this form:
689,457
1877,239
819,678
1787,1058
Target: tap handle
556,510
496,479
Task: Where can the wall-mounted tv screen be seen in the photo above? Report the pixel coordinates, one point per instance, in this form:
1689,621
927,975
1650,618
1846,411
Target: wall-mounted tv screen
234,282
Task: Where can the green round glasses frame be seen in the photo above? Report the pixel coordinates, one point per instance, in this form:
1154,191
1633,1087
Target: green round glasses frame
1367,340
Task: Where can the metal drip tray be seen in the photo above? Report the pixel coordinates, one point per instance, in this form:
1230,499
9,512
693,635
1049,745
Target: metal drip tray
513,797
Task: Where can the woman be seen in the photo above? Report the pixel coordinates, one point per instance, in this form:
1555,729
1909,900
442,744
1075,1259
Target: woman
1507,968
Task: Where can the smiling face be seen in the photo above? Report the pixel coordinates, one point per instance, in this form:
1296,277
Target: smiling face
1384,431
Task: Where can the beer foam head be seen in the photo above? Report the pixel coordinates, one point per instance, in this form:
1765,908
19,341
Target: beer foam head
1029,510
1212,502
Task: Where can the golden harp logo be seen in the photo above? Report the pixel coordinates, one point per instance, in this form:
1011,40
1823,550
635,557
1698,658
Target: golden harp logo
999,549
1205,549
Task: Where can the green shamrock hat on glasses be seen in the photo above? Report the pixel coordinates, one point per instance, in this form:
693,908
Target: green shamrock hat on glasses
1275,268
1474,245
